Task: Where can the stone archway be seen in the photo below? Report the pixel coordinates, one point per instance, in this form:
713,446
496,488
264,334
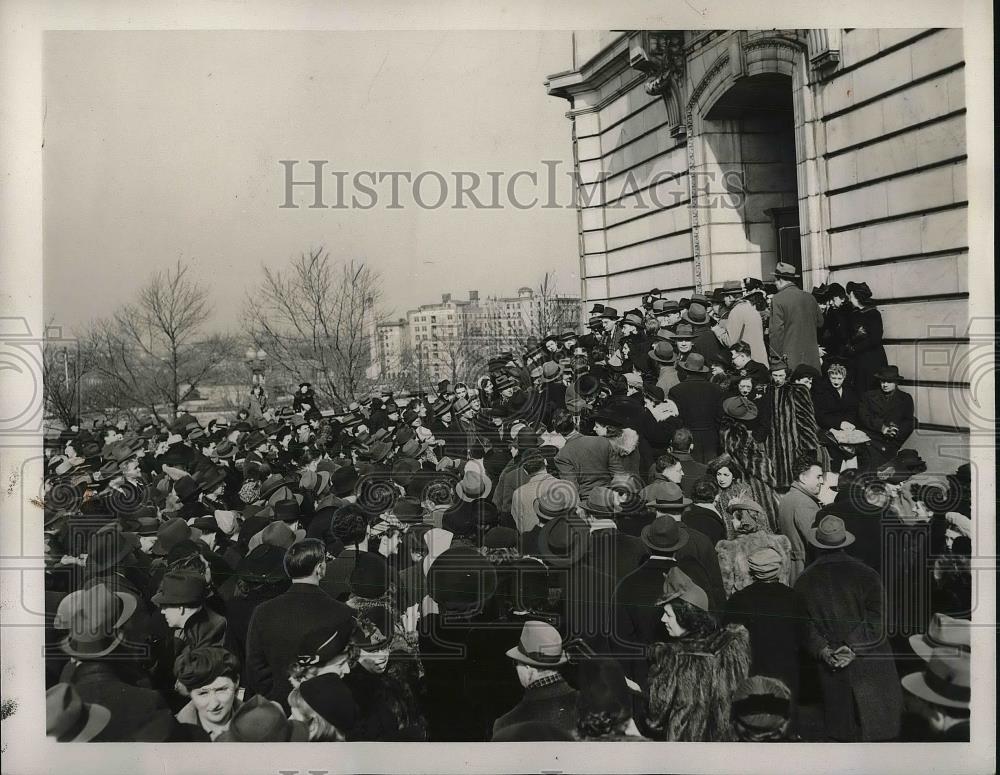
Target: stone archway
752,171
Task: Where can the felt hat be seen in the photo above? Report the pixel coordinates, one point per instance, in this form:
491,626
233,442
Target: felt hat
830,533
683,332
740,408
670,497
662,352
888,374
500,537
343,481
732,287
860,290
677,584
370,576
664,534
785,270
94,618
276,534
777,364
762,707
107,548
540,645
653,392
473,486
327,640
633,318
562,541
602,502
694,363
332,700
408,510
804,370
696,314
287,510
69,719
171,533
945,680
945,635
609,313
186,488
264,564
180,588
260,720
551,371
555,498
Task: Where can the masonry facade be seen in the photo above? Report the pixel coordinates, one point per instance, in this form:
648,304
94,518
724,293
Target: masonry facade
705,156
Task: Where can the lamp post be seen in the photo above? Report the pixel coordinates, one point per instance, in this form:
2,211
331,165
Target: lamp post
256,361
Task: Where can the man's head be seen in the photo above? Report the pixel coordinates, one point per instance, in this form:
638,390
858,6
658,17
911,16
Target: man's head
180,596
682,441
704,490
670,468
532,461
809,474
306,560
740,354
837,373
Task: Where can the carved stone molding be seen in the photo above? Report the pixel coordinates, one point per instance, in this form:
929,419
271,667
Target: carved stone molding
824,49
660,56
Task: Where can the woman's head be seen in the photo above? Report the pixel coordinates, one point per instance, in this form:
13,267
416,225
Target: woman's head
604,704
723,469
681,618
210,677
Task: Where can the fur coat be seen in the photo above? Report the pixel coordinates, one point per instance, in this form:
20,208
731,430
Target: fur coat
692,681
625,451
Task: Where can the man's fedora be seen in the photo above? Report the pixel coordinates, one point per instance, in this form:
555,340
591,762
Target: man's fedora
683,332
786,271
551,371
69,719
830,534
740,408
562,541
664,534
663,352
461,580
260,720
888,374
696,314
944,681
556,498
94,618
670,497
179,588
945,636
694,363
171,533
473,486
540,645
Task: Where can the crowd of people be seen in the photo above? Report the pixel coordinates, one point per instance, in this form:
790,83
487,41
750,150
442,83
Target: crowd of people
697,520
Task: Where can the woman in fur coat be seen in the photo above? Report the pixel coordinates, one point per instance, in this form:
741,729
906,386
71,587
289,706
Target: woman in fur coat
695,674
752,533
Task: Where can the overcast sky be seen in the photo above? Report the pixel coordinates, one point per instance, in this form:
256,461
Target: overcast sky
166,145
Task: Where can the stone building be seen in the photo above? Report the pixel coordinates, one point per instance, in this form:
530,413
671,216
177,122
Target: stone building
709,155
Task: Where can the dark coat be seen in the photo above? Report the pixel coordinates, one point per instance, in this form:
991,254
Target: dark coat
833,408
131,708
864,523
864,349
878,409
469,678
841,602
615,552
587,462
693,470
769,611
707,344
795,318
276,628
700,404
700,551
554,704
707,522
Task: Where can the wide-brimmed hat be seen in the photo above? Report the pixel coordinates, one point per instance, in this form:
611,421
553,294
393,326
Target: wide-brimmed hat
260,720
540,645
694,363
409,510
180,587
785,270
633,318
740,408
588,386
278,534
609,313
171,533
696,314
551,371
562,541
945,635
107,548
69,719
662,352
473,486
669,497
556,498
683,332
888,374
677,584
944,681
264,564
830,533
664,534
94,618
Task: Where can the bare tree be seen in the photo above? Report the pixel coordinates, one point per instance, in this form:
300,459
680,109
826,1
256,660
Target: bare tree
153,355
64,365
314,319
